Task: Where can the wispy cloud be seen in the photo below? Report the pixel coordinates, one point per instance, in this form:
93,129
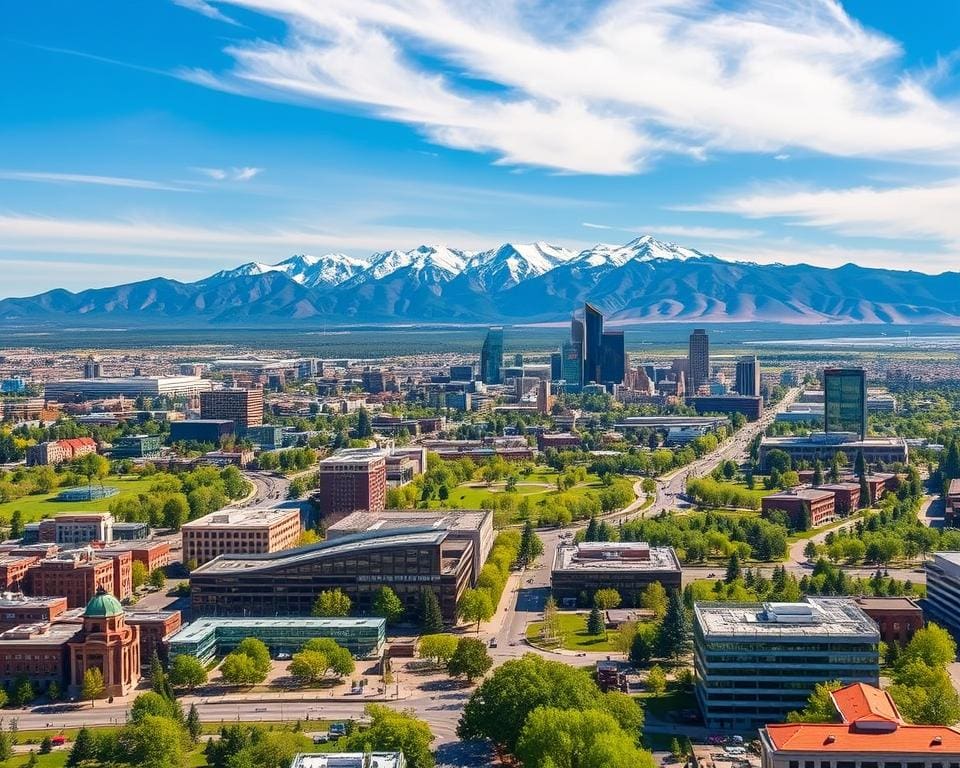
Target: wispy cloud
926,212
230,174
206,9
611,88
83,178
681,230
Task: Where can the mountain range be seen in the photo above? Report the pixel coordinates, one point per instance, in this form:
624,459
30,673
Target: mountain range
646,280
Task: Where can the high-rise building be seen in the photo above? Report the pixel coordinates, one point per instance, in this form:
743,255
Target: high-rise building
351,480
748,375
572,365
491,356
244,407
92,369
544,398
556,366
612,358
593,344
518,359
698,356
845,400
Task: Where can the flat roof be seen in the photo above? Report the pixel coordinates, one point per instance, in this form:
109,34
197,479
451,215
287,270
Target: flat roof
833,439
568,557
887,603
199,628
349,760
359,541
39,634
149,615
448,519
815,617
242,518
807,494
24,601
355,456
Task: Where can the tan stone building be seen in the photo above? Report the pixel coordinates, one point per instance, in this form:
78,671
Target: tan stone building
240,532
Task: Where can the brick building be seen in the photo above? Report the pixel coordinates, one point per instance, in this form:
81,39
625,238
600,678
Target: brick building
846,496
107,643
244,407
351,481
898,617
240,532
38,652
122,572
153,554
75,574
59,451
76,528
807,507
558,440
155,628
13,570
19,609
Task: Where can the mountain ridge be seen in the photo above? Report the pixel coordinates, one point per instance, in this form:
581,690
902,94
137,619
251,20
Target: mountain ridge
645,280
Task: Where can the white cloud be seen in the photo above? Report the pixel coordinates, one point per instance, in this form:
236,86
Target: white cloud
230,174
682,230
80,178
204,8
605,91
927,212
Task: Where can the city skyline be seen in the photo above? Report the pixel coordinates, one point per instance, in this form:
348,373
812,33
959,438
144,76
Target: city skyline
190,136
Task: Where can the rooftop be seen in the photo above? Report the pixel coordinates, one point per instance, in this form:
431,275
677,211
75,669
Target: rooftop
41,634
241,518
446,519
808,494
355,456
201,628
20,600
839,618
887,603
833,438
349,760
620,555
842,738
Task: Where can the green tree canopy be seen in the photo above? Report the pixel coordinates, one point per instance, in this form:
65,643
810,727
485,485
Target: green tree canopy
187,671
387,604
332,602
470,659
394,731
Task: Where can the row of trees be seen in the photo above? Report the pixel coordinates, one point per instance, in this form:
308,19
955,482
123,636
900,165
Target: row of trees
479,603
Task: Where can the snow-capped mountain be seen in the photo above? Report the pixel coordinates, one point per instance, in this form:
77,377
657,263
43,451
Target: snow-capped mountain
646,280
511,264
312,271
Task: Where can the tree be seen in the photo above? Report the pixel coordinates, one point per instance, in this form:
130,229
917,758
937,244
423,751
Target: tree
595,624
364,429
339,660
860,465
656,680
644,644
654,599
932,645
151,704
475,606
864,492
159,682
394,731
733,568
46,746
531,546
432,618
676,750
308,667
673,639
83,749
605,599
154,742
31,760
92,687
239,669
470,659
16,524
138,574
810,550
23,692
818,473
820,707
176,511
187,671
550,628
158,578
92,466
194,726
387,604
332,602
6,746
925,695
439,647
566,738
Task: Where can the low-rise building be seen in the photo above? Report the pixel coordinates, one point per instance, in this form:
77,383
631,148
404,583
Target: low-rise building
806,507
59,451
349,760
152,554
13,570
870,733
16,609
201,430
39,652
751,406
952,511
137,447
824,446
77,528
846,497
240,531
755,662
208,638
76,575
898,618
156,629
579,570
130,531
558,440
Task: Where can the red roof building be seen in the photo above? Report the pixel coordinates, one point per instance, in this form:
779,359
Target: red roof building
870,731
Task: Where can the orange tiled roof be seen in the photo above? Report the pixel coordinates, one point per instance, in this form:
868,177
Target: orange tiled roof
836,737
860,702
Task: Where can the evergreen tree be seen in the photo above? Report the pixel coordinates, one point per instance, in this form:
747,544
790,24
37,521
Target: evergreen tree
591,533
531,547
673,639
860,465
430,609
32,760
194,728
835,468
16,524
159,682
733,568
595,625
364,429
818,473
83,749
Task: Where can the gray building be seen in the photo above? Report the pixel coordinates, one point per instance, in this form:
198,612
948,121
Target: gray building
823,446
698,356
755,662
748,375
943,590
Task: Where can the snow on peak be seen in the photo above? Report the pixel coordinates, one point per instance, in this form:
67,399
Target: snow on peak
645,248
513,263
311,271
423,257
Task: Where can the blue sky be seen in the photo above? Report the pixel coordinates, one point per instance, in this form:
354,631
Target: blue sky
178,137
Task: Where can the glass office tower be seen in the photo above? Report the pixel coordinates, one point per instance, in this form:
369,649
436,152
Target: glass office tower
491,357
845,400
593,344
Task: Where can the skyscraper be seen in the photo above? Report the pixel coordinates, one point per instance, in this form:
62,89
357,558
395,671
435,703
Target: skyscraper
491,356
571,365
845,400
556,366
612,358
748,375
593,344
699,359
244,407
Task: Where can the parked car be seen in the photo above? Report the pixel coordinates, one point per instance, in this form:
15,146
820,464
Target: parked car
338,729
321,738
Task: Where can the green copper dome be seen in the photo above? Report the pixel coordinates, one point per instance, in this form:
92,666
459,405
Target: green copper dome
102,605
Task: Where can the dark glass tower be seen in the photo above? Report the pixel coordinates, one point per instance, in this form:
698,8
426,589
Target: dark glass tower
612,358
593,344
748,376
491,356
845,400
698,357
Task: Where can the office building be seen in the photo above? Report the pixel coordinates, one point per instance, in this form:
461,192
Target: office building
92,369
13,570
698,357
76,528
942,604
351,480
592,344
76,575
461,373
16,609
579,570
13,386
151,554
870,733
209,638
240,531
268,437
612,358
823,447
473,525
156,628
132,387
748,376
845,401
572,365
108,644
130,531
201,430
897,618
349,760
491,357
244,407
137,447
36,651
755,662
846,497
806,507
556,366
749,405
287,583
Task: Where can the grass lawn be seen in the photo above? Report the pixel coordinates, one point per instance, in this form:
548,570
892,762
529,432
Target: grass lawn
801,535
575,637
55,759
37,506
